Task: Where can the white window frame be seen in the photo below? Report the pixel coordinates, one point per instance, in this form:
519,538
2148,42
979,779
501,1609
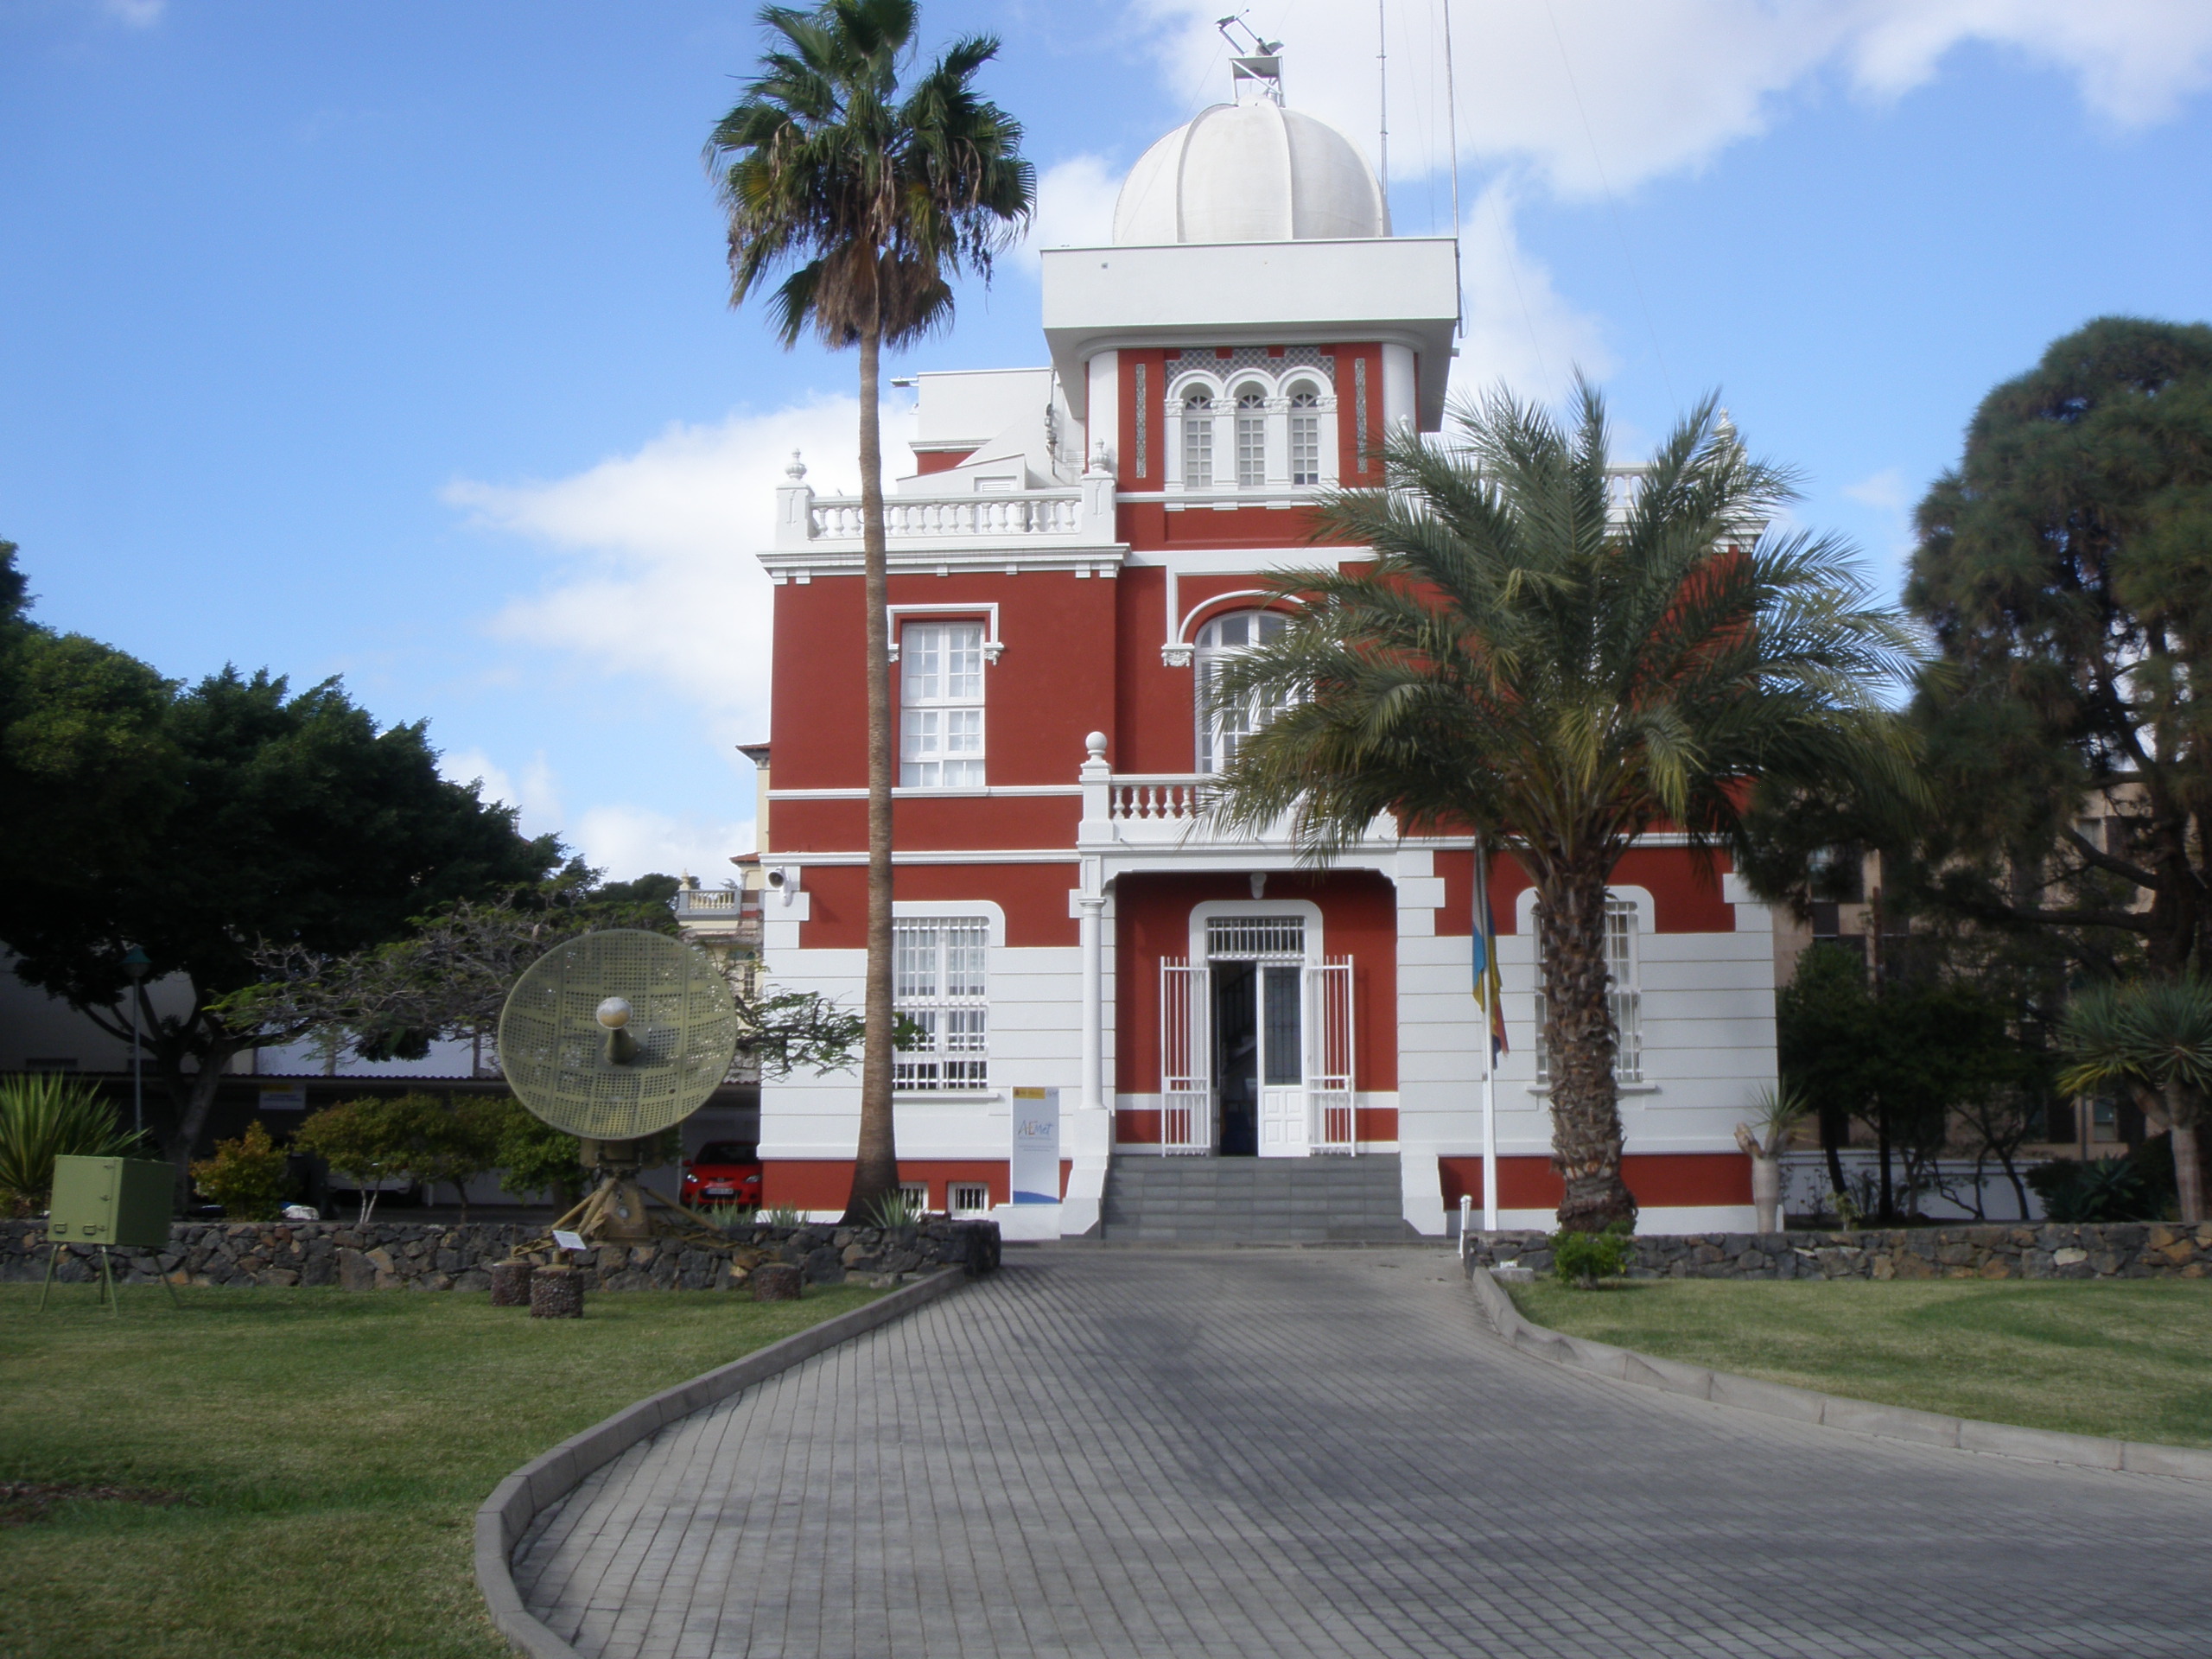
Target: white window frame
1199,407
954,1190
1250,414
941,724
949,999
1306,422
1217,746
1624,920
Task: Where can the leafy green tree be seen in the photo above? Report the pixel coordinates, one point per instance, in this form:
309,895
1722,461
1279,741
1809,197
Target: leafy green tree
872,196
2154,1037
450,974
363,1138
2063,569
199,825
1523,657
1914,1057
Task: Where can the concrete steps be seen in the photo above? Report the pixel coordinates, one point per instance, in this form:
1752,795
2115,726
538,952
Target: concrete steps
1253,1200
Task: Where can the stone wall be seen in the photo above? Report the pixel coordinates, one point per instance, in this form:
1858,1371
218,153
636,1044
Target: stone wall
2037,1250
417,1256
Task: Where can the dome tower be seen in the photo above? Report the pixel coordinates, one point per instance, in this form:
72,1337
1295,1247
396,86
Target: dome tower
1250,172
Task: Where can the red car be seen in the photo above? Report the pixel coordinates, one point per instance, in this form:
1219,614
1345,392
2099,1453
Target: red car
722,1171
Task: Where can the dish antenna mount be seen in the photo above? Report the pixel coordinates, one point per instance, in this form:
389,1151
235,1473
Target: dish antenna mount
613,1038
1257,62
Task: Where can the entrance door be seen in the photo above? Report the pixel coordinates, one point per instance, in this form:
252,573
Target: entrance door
1237,1056
1259,1059
1282,1061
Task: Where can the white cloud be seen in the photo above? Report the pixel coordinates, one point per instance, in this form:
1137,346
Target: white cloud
1591,95
1075,205
628,840
538,795
1883,490
1519,328
657,576
138,13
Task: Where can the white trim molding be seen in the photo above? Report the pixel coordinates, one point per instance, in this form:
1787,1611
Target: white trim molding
988,610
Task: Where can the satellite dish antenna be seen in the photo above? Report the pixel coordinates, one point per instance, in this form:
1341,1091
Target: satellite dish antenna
614,1037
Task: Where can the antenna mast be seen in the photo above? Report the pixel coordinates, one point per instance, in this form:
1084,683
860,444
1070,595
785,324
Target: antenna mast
1452,127
1382,85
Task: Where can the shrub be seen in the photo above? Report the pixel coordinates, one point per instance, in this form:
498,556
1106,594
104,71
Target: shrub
1582,1259
2111,1189
246,1176
42,1117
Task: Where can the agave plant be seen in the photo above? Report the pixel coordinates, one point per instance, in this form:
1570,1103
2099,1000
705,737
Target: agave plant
42,1117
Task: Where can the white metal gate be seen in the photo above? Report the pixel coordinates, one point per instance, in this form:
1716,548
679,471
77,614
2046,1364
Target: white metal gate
1185,1059
1329,1024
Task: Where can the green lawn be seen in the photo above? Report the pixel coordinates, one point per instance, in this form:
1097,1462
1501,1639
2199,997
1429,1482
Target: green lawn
2130,1358
332,1447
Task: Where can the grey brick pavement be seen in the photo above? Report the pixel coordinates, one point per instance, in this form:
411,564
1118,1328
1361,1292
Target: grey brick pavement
1311,1452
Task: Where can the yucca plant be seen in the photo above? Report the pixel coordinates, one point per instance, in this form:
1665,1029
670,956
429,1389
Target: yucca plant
42,1117
2153,1037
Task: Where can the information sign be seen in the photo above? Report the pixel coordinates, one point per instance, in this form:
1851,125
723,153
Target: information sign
1036,1160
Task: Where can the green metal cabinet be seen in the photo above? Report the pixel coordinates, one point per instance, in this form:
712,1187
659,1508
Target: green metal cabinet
125,1202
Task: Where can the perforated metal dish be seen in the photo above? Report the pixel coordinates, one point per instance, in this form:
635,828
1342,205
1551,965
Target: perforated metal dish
554,1050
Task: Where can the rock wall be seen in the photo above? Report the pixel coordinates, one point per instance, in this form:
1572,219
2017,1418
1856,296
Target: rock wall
414,1255
2039,1250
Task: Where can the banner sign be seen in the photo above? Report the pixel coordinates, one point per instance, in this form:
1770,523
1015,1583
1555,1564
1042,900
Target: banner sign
1036,1160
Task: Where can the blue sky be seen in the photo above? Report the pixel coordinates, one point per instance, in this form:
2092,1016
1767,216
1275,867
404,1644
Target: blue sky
389,341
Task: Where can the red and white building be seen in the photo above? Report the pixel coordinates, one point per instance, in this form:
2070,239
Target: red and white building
1082,542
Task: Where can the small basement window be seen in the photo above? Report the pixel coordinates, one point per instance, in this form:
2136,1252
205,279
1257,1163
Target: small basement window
968,1198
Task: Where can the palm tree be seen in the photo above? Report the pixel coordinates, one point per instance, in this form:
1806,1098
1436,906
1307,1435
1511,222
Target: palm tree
871,197
2153,1036
1562,670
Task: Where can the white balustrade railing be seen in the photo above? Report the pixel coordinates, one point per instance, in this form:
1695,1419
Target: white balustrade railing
1170,797
1031,512
693,900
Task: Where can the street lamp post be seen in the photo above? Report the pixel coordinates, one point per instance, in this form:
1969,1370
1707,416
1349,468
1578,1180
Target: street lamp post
135,964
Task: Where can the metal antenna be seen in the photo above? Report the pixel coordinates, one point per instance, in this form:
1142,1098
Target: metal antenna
1256,61
1383,84
1452,127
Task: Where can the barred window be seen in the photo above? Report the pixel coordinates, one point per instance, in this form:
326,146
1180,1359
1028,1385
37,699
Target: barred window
1305,437
967,1197
1198,441
1253,938
938,986
1251,439
941,705
1623,996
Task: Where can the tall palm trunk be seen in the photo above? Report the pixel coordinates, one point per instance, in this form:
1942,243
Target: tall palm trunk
876,1168
2189,1173
1579,1043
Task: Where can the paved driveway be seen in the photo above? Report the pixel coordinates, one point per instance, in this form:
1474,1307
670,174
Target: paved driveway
1322,1452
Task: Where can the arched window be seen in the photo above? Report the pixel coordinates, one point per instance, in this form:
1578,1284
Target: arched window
1251,439
1197,441
1305,436
1222,731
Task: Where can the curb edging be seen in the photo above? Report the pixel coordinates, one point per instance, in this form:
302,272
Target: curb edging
1829,1410
523,1495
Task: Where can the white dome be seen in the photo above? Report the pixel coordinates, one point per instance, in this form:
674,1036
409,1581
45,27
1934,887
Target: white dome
1252,172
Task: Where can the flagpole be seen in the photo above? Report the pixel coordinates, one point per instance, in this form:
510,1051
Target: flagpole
1483,921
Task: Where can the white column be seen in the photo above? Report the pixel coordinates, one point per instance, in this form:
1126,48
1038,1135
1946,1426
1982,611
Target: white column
1091,934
